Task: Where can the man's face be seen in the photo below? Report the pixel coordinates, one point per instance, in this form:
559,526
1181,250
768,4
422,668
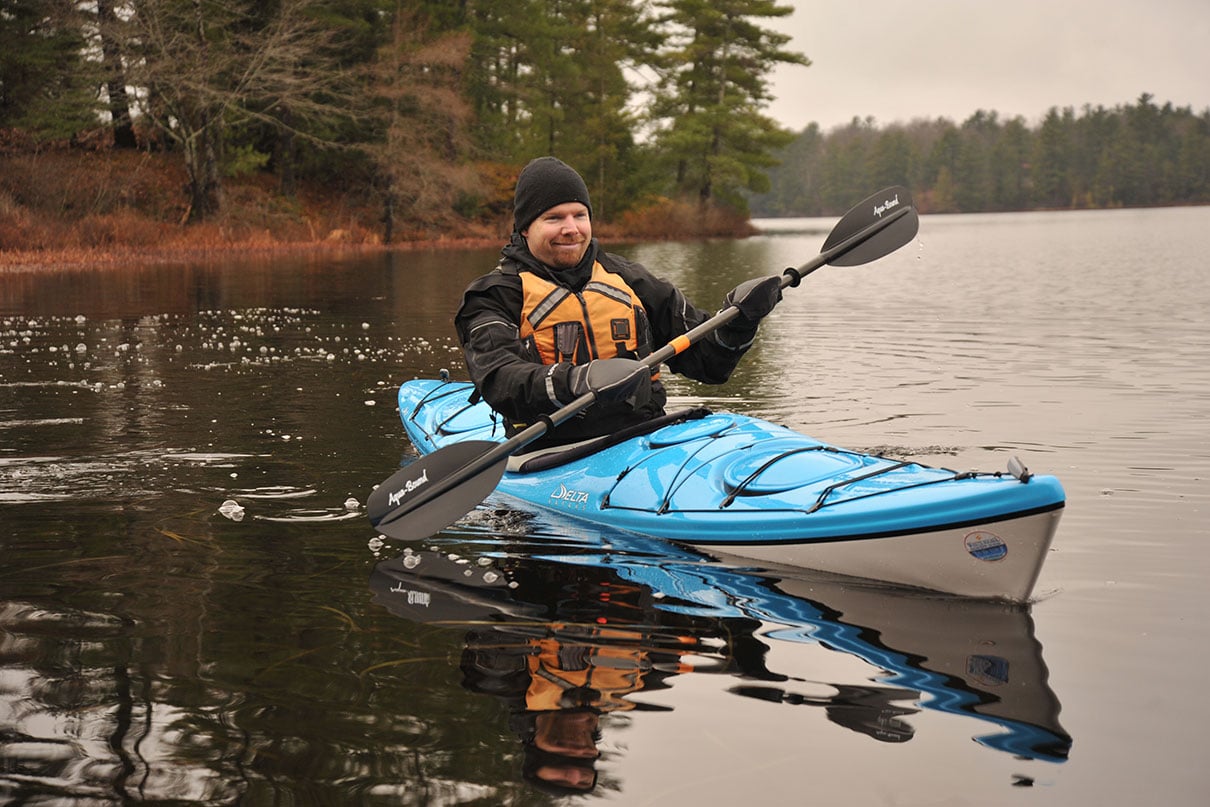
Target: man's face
559,237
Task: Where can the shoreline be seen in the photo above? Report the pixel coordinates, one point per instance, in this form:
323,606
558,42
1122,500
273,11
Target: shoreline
101,258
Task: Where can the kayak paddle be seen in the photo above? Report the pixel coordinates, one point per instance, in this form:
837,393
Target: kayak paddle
439,488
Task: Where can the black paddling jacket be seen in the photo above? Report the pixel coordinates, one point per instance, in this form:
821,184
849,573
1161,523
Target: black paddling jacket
520,361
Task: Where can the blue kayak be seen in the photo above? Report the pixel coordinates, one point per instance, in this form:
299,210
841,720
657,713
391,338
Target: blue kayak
734,485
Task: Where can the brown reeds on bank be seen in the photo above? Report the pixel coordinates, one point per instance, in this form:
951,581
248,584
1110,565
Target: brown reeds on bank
67,207
76,208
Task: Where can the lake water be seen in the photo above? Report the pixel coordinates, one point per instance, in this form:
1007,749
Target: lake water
193,608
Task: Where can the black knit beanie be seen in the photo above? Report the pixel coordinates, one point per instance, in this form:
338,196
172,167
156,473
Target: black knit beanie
543,184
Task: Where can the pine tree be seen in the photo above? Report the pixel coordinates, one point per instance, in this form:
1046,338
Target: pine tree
716,82
47,86
552,77
1052,158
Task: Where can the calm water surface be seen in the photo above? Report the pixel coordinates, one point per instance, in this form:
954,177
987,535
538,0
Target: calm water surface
193,608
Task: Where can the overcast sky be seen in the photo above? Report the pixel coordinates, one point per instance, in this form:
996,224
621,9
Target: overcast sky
897,60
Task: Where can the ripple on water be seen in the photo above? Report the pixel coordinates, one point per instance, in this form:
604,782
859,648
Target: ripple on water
246,502
125,475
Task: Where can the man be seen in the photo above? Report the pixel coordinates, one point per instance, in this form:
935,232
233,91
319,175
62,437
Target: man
559,317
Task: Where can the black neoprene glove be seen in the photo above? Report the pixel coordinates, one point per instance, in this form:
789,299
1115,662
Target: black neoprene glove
754,298
612,380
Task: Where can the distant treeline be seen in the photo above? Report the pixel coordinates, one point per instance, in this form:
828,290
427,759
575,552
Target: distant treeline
1129,156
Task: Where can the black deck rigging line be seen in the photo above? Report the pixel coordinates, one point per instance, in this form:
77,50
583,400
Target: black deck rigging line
469,404
678,479
441,426
663,508
439,392
739,489
819,502
450,388
681,477
956,477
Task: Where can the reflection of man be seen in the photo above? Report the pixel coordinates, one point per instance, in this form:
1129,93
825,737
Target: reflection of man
562,751
559,678
571,733
564,645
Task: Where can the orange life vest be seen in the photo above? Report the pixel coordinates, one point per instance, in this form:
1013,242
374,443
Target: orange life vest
609,671
599,322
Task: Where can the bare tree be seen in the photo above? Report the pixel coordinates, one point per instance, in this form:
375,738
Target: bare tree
416,87
204,66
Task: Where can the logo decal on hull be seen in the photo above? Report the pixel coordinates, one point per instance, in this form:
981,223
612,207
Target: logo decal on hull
984,545
566,494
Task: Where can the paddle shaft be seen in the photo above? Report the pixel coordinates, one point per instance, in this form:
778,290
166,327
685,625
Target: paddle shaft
790,277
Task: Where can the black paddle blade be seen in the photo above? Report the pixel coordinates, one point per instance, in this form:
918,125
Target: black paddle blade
430,587
894,204
435,491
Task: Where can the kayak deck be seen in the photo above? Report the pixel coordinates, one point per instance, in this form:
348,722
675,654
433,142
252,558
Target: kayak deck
747,487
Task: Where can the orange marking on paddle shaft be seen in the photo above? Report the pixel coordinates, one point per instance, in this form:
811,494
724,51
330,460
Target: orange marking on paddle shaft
680,344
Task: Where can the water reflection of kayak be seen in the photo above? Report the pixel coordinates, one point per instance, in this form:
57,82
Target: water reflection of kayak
589,630
742,486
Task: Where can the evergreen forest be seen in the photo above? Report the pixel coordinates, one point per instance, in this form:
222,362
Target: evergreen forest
1134,155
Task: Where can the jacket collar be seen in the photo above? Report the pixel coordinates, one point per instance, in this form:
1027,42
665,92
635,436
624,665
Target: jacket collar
574,278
